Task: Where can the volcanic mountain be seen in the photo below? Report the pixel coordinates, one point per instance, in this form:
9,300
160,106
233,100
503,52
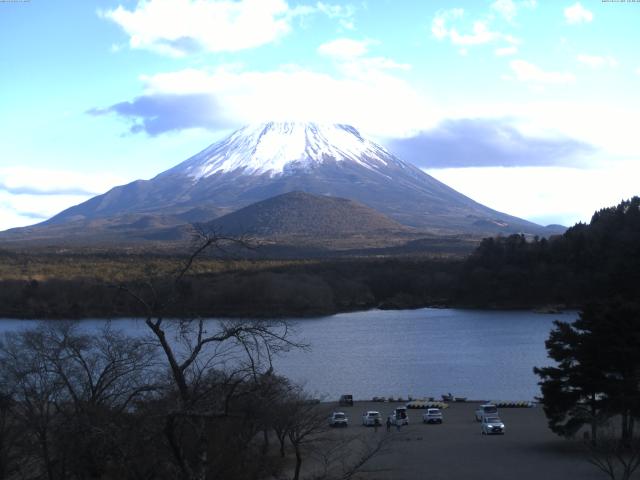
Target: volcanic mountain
262,161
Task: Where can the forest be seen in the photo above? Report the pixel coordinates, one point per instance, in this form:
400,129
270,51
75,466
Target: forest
599,260
589,261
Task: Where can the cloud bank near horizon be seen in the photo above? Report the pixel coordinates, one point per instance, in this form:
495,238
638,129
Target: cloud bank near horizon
32,195
465,143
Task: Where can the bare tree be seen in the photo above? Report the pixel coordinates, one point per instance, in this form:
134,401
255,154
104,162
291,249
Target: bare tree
615,457
347,457
192,347
307,420
67,385
36,391
9,435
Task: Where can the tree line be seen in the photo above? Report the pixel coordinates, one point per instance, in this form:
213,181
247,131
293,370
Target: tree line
594,385
296,289
589,261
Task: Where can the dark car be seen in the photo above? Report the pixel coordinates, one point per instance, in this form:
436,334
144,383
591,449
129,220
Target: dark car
346,400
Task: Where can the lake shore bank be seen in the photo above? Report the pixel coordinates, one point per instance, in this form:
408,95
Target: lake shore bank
99,286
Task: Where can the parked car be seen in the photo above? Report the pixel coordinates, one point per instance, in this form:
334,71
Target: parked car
486,410
492,426
371,417
432,415
346,400
338,419
400,413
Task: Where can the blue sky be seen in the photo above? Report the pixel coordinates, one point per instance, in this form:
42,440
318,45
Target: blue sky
530,107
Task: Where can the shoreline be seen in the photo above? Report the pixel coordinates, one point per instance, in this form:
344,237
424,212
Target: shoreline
299,315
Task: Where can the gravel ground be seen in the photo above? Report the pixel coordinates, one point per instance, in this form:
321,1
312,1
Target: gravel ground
457,450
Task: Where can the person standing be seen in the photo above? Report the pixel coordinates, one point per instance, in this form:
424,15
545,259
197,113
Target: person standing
388,424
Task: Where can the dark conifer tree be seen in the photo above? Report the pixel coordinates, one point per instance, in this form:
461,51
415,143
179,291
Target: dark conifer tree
597,375
572,391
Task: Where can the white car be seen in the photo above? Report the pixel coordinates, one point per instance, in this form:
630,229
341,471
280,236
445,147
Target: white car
432,415
338,419
371,417
492,426
400,414
486,410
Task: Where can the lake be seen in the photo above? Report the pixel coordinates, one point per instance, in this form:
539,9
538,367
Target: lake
426,352
478,354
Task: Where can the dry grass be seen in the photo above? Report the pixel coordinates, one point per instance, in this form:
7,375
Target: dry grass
119,268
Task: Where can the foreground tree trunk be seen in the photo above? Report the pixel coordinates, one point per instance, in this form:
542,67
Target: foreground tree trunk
296,474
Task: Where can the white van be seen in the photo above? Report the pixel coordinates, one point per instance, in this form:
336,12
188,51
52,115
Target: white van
400,413
486,410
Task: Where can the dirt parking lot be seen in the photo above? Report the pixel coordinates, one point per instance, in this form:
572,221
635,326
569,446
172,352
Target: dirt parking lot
457,450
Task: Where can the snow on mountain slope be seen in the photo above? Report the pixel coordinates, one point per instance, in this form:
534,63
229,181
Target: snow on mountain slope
281,148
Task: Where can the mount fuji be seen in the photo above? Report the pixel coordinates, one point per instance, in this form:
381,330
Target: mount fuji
262,161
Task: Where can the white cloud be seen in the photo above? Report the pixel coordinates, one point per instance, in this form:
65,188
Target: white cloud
31,195
350,55
176,27
609,128
23,210
505,51
480,31
506,8
438,25
480,34
344,48
293,93
545,194
344,13
594,61
638,71
530,73
37,181
576,13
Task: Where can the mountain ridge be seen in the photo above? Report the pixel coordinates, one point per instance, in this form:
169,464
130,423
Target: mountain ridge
260,162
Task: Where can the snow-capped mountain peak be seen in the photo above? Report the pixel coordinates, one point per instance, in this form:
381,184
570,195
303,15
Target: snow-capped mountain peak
263,161
278,148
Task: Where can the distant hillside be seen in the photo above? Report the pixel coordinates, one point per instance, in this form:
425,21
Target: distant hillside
299,213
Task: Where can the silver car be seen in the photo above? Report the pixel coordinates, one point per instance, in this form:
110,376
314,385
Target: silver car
492,426
432,415
338,419
371,417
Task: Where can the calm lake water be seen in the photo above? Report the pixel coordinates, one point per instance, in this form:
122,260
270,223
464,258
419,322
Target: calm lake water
485,355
